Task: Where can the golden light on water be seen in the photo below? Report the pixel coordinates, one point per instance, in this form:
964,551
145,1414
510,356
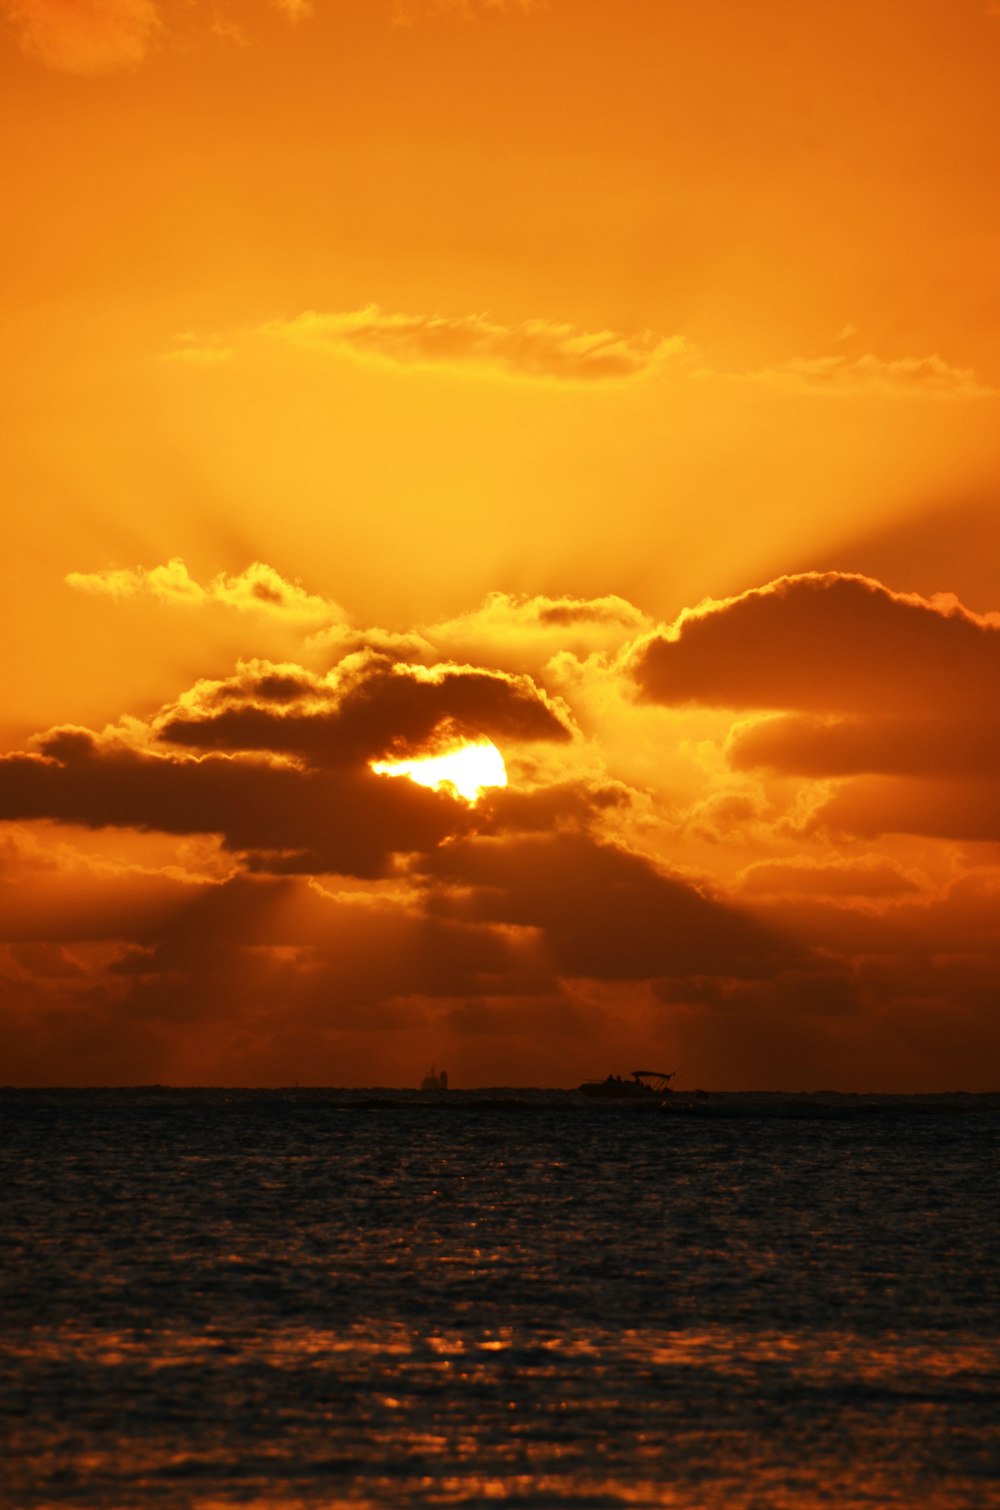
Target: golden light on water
469,769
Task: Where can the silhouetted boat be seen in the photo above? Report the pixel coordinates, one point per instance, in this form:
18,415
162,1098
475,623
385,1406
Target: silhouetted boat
435,1082
645,1085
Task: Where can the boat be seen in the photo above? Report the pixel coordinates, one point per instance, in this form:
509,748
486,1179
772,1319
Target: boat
435,1081
644,1085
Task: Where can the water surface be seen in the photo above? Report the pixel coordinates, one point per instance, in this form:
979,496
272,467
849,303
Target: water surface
315,1299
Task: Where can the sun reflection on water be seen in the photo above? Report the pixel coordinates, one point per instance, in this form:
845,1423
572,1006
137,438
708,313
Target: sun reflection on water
481,1414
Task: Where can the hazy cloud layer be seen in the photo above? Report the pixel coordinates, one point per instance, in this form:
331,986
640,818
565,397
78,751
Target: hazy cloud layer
409,12
551,350
270,979
542,349
86,36
900,377
112,36
99,37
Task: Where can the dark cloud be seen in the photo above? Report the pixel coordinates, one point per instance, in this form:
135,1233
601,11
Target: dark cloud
65,906
564,613
941,809
258,977
371,707
921,745
349,820
573,805
871,683
323,810
828,643
344,955
603,911
899,996
870,876
272,978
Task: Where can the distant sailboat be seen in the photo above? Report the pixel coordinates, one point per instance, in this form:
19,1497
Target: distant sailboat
435,1081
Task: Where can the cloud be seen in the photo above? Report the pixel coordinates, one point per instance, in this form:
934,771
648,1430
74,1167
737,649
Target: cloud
342,640
536,349
900,377
278,817
603,911
258,589
907,744
87,36
522,631
329,922
190,348
870,876
367,707
171,583
262,589
564,807
942,808
554,351
892,695
50,894
258,979
268,979
826,642
409,12
285,782
100,37
349,952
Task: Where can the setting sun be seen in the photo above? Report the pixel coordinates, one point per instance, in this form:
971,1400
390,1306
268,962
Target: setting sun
470,769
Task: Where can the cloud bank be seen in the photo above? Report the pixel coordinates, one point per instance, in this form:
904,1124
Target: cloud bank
801,888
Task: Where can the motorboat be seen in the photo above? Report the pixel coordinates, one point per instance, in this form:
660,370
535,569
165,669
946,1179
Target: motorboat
642,1085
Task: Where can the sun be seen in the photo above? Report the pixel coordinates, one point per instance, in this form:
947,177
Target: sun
468,768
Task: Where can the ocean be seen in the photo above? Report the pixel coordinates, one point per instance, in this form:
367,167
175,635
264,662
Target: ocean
322,1298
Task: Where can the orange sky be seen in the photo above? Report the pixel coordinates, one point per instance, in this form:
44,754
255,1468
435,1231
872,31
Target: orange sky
616,382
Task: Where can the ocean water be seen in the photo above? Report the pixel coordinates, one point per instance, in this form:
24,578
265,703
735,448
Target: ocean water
317,1299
